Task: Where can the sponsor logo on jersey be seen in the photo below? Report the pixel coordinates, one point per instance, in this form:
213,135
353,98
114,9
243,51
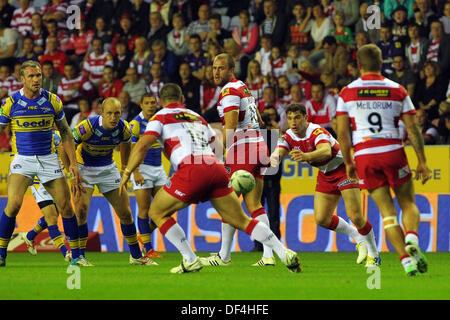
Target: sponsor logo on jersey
41,101
17,166
178,192
318,131
76,135
403,172
33,124
82,129
186,117
58,171
22,103
115,133
225,92
345,182
247,91
374,93
46,109
98,133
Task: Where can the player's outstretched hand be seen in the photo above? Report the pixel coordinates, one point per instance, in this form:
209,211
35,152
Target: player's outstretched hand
76,186
423,172
274,160
297,155
352,174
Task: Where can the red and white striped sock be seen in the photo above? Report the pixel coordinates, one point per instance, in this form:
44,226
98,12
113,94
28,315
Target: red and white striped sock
261,232
175,234
369,237
261,215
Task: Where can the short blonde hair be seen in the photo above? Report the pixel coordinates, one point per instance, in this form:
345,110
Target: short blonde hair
369,57
29,64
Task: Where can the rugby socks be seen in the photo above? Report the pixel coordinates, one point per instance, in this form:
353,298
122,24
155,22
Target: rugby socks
262,233
83,233
369,237
145,232
57,238
130,235
228,232
41,225
261,215
340,225
7,226
175,234
71,231
412,236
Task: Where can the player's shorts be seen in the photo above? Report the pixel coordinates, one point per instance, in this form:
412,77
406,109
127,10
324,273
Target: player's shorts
388,168
46,168
193,183
334,182
154,176
40,194
252,157
106,178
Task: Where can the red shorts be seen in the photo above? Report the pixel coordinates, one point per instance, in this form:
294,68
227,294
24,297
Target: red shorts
195,183
334,182
252,157
377,170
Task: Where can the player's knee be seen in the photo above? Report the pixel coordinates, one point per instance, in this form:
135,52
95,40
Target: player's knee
13,207
322,221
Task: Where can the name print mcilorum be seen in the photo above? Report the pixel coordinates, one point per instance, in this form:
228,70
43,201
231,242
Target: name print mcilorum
242,309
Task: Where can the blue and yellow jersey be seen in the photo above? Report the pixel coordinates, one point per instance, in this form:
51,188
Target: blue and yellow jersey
96,144
31,122
137,126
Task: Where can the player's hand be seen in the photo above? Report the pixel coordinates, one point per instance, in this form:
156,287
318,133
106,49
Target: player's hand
274,161
423,172
352,173
124,181
76,186
138,178
298,155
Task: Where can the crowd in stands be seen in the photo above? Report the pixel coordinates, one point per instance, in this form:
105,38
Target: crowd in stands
284,50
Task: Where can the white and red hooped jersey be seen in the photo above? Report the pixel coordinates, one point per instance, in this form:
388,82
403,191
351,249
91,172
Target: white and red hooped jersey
95,65
183,133
321,113
65,88
236,96
374,105
314,136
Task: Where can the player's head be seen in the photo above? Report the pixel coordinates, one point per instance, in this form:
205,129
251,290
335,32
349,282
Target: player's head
31,76
170,93
148,104
369,58
297,117
223,69
111,112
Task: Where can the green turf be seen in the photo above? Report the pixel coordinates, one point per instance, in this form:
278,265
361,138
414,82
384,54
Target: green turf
324,276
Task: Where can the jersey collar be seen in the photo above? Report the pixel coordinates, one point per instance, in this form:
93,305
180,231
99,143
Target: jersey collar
372,76
174,105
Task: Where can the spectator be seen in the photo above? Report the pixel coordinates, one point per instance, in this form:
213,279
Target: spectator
297,95
80,40
21,20
103,32
361,24
27,51
328,8
50,78
142,59
403,75
200,26
6,12
361,38
241,60
55,10
246,34
177,39
4,74
400,24
5,140
336,57
57,57
185,8
157,79
350,8
134,86
114,10
438,48
263,54
217,34
166,58
444,128
84,113
389,48
353,71
415,50
163,7
269,98
130,109
96,61
209,95
140,14
122,59
255,81
274,24
277,65
62,37
444,106
38,33
299,28
293,61
445,19
340,32
196,57
94,9
212,50
418,19
430,133
330,83
321,108
389,6
307,76
426,12
126,33
190,86
430,91
10,44
283,90
320,28
110,86
158,30
12,83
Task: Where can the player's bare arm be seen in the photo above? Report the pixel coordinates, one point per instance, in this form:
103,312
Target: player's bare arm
138,178
136,157
345,144
277,155
68,144
231,121
416,139
322,153
125,150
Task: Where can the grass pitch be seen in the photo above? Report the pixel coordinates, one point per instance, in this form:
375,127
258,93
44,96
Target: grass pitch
325,276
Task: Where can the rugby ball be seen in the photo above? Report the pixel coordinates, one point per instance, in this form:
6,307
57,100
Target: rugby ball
242,181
